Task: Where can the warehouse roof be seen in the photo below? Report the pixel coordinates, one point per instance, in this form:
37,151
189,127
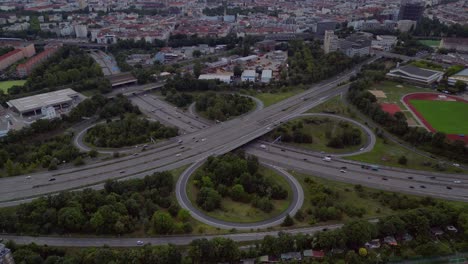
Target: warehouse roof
34,102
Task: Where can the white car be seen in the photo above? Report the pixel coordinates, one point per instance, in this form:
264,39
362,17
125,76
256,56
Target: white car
361,149
28,177
178,155
140,243
203,139
342,171
457,181
456,165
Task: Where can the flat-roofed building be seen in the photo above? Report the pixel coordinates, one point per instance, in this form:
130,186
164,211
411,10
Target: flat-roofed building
267,75
40,104
459,76
226,78
415,75
248,76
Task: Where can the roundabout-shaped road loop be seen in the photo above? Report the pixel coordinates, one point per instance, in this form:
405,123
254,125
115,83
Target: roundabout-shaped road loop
184,201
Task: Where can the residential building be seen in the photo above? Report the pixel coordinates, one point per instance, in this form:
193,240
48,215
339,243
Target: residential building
37,105
415,75
459,76
330,42
358,44
313,254
406,25
26,68
266,45
291,256
267,75
81,31
21,51
164,57
459,44
248,76
226,78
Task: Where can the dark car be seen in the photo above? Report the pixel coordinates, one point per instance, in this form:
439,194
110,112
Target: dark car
410,178
411,187
52,179
385,179
422,186
449,188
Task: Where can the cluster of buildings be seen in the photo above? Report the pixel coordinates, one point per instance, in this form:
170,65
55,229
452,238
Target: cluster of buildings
450,13
24,51
261,67
188,17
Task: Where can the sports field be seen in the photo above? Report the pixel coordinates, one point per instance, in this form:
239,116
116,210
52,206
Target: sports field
444,116
430,42
5,85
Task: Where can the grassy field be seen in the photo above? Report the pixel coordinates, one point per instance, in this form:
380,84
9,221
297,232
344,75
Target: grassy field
347,195
5,85
272,98
334,105
233,211
394,91
430,42
388,153
444,116
322,129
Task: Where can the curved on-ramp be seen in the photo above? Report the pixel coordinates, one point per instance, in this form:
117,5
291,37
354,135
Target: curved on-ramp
184,201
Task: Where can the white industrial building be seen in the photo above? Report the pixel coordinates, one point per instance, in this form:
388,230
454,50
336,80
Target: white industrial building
415,75
248,76
226,78
267,75
43,104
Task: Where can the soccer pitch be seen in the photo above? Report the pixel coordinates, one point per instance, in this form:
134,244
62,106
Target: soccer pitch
444,116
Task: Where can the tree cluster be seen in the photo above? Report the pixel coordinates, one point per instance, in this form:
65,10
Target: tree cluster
122,207
308,63
237,177
434,28
38,145
409,46
179,99
130,130
69,66
436,143
350,238
223,106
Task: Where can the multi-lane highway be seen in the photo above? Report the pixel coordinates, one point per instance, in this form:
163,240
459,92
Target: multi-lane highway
214,140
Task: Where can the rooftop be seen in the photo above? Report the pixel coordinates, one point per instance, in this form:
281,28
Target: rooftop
34,102
417,71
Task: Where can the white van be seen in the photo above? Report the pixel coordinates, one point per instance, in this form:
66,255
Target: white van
327,159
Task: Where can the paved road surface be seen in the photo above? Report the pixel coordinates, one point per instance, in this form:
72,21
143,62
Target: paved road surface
219,139
131,242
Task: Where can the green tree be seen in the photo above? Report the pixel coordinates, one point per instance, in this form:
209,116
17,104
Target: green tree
196,53
402,160
288,221
162,223
71,218
197,69
358,232
237,192
183,215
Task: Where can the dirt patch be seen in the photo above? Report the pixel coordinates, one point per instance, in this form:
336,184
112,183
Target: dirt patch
378,93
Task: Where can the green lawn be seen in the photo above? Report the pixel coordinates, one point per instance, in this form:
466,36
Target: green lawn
334,105
272,98
348,195
5,85
388,153
233,211
322,129
444,116
394,91
430,42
